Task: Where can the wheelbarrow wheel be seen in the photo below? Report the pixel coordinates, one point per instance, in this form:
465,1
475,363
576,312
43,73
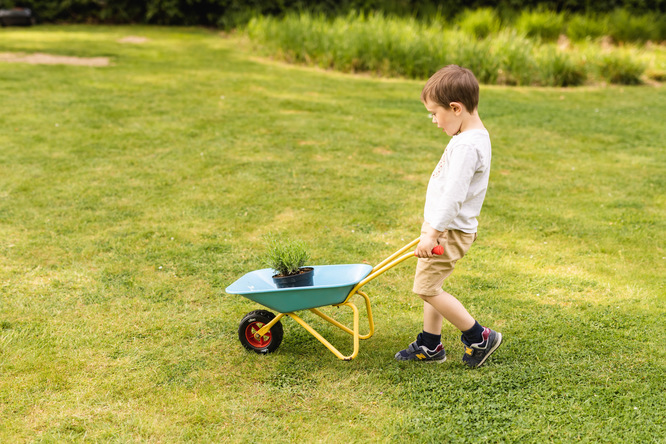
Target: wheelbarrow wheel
251,323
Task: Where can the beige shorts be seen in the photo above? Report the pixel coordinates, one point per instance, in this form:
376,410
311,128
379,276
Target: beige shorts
431,272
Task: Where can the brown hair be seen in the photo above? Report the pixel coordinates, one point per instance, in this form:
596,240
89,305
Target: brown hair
452,84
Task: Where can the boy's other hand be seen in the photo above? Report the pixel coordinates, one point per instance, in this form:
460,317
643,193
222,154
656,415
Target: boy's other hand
424,249
427,242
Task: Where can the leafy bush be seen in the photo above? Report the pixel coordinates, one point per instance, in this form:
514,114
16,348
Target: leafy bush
625,27
233,13
406,47
545,25
473,54
286,257
356,42
622,25
581,27
513,55
620,68
480,22
558,68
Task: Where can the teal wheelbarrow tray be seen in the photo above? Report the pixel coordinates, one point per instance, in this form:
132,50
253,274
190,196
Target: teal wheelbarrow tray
333,285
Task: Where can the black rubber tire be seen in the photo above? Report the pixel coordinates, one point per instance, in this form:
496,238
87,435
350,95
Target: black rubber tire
251,323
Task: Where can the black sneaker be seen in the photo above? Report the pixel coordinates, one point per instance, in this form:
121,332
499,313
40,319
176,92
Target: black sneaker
416,352
476,354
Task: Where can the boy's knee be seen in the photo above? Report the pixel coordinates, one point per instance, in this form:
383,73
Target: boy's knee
427,297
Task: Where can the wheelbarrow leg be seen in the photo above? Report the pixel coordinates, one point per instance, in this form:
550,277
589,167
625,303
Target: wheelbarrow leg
371,324
267,327
323,340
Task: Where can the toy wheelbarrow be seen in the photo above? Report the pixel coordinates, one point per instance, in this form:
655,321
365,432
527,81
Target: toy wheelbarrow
261,330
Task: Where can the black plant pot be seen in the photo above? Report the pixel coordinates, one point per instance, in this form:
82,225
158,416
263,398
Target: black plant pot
304,279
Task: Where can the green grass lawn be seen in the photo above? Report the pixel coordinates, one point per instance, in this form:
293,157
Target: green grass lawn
132,195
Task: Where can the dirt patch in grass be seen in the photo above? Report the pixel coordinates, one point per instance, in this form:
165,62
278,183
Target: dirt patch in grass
133,39
50,59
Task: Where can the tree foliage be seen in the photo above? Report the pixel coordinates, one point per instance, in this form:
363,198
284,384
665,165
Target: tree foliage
229,13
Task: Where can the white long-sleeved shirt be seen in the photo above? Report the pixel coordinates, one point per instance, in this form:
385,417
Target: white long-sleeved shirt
458,185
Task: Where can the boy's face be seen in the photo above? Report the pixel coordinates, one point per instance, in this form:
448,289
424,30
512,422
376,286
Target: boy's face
449,119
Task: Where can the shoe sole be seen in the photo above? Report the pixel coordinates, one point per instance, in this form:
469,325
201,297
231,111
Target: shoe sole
428,361
492,350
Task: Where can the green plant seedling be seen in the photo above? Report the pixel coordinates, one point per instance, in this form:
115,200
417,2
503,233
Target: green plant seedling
286,257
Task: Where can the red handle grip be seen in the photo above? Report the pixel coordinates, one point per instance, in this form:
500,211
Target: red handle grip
438,250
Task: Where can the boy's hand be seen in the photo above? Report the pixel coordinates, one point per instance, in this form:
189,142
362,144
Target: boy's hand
427,242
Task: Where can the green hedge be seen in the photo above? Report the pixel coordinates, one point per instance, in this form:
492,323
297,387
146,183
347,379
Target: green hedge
406,47
230,13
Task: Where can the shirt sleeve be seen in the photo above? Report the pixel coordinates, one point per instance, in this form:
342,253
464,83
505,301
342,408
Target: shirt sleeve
451,187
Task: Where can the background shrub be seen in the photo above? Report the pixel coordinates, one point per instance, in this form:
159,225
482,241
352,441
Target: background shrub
558,68
514,55
582,26
356,42
231,13
545,25
390,46
620,68
480,22
625,27
471,53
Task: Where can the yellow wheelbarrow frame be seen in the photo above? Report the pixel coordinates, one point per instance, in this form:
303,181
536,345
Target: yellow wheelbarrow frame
396,258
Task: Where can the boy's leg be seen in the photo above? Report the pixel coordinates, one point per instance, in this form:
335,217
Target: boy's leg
432,320
430,275
479,341
445,305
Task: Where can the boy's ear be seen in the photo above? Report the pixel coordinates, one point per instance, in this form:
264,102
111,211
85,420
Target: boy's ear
456,107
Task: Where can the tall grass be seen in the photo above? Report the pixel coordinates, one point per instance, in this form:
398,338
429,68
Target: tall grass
559,68
545,25
620,68
584,27
625,27
356,42
479,22
620,25
391,46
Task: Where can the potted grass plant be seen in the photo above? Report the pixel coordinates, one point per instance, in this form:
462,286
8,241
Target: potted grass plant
288,258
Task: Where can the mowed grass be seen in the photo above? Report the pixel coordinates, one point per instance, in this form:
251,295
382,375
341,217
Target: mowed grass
132,195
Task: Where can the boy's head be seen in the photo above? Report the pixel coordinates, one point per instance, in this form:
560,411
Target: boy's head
452,84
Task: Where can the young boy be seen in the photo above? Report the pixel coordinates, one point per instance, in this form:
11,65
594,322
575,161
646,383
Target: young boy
453,201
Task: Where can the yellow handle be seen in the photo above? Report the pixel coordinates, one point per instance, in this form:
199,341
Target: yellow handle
386,265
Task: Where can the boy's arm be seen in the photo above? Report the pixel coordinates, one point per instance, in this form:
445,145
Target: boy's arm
428,241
